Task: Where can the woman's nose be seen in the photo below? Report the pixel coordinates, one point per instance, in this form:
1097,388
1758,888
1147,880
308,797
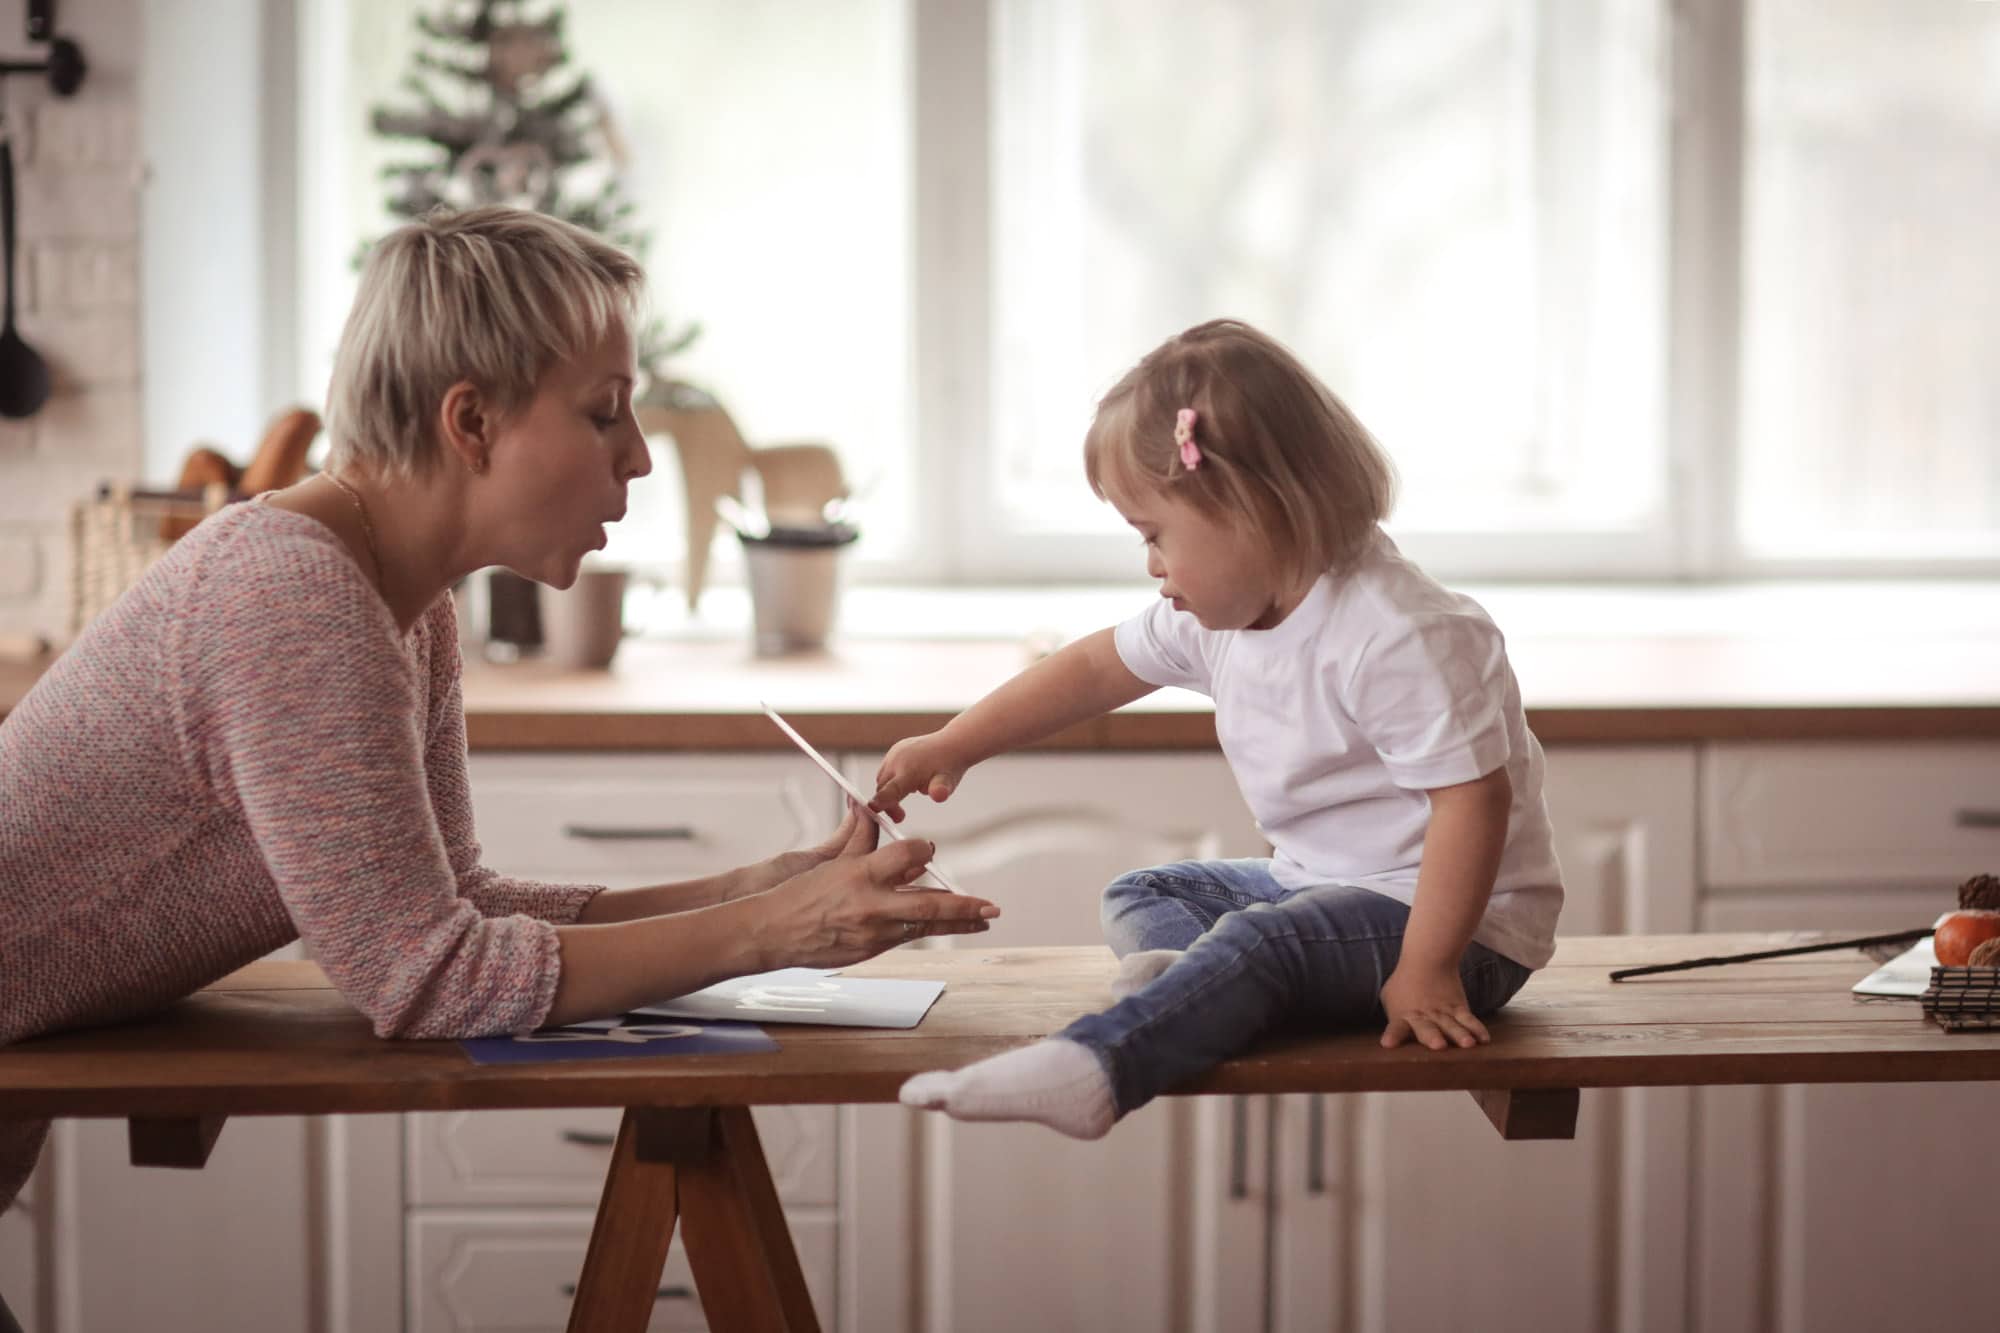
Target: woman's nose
637,456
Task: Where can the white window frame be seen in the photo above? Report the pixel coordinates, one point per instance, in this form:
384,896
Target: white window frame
950,135
1697,539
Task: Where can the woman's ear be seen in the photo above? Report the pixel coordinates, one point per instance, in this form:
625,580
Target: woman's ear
465,425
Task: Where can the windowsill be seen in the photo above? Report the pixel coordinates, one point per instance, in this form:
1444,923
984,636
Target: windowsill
1057,614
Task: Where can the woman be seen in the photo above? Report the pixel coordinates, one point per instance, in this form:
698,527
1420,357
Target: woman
264,740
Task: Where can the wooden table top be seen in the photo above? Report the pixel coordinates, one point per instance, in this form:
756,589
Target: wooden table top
275,1039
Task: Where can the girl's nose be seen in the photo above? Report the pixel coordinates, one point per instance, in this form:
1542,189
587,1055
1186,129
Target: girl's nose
1155,567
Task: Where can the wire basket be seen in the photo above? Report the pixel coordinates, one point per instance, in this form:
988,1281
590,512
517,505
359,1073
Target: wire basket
116,535
1964,999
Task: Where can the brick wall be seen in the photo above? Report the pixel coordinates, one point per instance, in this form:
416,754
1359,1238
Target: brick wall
78,176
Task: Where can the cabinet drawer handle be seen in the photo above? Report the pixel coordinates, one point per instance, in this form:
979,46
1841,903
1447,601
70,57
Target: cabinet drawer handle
1239,1147
628,833
663,1294
589,1138
1972,818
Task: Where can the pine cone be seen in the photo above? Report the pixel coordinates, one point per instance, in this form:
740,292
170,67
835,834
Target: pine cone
1981,893
1985,954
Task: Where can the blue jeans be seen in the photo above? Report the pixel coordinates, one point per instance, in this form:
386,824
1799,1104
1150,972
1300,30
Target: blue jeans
1257,956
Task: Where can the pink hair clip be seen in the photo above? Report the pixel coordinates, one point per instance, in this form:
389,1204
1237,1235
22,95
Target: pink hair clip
1184,436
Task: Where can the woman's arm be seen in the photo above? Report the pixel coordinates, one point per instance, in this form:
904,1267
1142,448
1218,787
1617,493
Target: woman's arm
850,908
1085,680
1425,998
745,881
493,894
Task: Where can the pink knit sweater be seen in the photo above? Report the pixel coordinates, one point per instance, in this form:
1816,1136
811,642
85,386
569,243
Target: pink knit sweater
241,752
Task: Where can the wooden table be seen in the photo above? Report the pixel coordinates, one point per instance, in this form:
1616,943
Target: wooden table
275,1039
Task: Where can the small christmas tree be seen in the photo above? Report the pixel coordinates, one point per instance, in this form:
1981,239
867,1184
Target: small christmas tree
509,127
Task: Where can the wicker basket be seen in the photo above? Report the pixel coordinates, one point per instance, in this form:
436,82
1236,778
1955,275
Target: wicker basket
115,536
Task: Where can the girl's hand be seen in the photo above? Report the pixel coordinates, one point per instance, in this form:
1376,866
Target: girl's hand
855,905
768,874
1429,1005
916,763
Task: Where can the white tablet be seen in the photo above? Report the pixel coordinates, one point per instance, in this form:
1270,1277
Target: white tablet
882,821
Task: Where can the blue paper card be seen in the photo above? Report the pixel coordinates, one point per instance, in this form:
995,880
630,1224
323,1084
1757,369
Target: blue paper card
621,1039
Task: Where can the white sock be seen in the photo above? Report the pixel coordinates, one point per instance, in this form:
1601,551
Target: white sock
1057,1083
1136,969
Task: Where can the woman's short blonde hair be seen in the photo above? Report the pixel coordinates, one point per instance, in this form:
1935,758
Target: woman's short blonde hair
1278,450
491,295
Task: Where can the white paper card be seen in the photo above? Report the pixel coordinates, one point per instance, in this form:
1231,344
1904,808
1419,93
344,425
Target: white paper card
1908,974
807,995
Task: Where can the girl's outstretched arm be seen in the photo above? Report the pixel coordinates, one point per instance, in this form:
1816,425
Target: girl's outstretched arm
1082,681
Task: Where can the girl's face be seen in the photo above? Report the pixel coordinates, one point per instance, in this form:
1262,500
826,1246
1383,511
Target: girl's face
560,465
1208,565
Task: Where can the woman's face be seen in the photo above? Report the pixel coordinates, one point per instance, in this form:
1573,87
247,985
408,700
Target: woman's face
558,467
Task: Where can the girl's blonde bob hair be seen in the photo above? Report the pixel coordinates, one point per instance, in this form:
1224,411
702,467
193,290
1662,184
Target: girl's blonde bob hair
491,295
1278,450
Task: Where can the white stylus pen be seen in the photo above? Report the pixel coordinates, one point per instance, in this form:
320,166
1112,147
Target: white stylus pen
882,821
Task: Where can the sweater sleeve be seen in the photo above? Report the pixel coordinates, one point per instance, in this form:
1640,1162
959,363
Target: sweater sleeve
301,709
492,893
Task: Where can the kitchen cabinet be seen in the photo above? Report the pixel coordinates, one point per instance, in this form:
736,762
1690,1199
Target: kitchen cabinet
1735,1209
1018,1227
497,1206
1844,1208
22,1252
1406,1211
233,1245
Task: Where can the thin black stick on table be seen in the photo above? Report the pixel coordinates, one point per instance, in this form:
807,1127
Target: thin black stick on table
1900,937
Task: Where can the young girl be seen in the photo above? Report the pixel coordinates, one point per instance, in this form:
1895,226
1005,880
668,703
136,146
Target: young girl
1370,718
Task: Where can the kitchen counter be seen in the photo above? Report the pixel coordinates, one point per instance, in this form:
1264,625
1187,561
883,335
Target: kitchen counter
1912,663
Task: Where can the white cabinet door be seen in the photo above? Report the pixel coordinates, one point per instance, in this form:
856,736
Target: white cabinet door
627,820
229,1246
1843,1208
1020,1227
475,1158
1408,1212
515,1270
26,1262
493,1208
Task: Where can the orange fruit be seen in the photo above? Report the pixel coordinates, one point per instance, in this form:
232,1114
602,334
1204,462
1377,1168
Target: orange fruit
1960,933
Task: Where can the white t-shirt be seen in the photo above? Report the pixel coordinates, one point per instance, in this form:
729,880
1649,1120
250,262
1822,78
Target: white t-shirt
1381,684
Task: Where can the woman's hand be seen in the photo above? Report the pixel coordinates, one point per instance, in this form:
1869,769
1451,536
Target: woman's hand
768,874
1429,1004
855,905
917,763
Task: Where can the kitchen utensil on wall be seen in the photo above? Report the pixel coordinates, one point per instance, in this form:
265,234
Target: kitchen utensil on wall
24,376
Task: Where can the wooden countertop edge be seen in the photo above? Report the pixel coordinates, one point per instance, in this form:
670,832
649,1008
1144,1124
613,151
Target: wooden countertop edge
571,724
493,729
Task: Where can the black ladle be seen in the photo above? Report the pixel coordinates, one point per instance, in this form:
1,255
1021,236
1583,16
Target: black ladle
24,376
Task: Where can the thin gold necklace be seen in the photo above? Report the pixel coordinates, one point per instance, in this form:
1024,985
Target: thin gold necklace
367,529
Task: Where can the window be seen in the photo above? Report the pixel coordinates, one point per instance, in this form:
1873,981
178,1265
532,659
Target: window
1871,311
1453,212
1627,288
